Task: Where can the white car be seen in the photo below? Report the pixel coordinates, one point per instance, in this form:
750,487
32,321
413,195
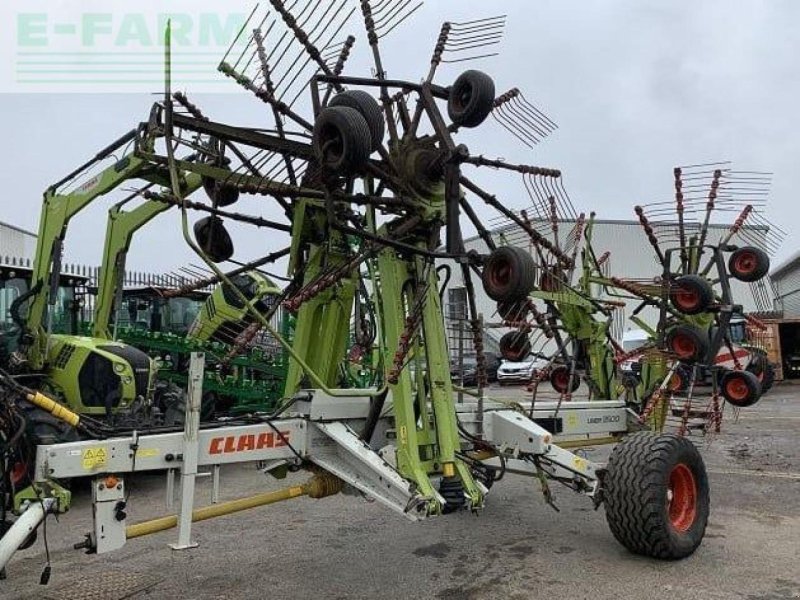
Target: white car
521,371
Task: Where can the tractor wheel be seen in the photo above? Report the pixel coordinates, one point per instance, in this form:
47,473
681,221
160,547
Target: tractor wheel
213,238
515,346
368,108
219,192
471,99
740,388
509,274
172,401
513,310
342,140
656,495
687,343
559,379
748,264
691,294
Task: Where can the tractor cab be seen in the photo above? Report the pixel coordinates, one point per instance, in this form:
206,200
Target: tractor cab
66,314
150,309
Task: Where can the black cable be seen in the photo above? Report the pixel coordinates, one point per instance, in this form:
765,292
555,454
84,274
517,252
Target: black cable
284,440
18,301
483,444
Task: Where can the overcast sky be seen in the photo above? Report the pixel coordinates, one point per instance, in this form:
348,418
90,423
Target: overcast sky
635,86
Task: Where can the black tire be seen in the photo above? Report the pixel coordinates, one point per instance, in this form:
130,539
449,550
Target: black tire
513,310
173,402
509,274
515,346
691,294
471,99
213,238
688,343
559,379
758,363
740,388
680,380
368,108
769,378
220,194
748,264
341,139
656,495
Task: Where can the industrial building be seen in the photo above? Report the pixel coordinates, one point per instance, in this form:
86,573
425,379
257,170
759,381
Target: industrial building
16,244
783,334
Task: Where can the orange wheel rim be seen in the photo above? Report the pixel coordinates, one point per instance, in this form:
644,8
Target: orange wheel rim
676,383
745,262
686,298
684,346
736,389
682,498
500,272
560,380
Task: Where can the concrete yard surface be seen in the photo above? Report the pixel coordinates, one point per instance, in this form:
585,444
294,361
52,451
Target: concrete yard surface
517,548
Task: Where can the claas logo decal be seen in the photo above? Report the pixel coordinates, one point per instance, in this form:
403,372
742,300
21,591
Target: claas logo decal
248,441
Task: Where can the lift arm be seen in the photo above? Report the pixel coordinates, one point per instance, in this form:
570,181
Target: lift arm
120,230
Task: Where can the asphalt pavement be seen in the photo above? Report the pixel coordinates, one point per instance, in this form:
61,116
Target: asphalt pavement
516,548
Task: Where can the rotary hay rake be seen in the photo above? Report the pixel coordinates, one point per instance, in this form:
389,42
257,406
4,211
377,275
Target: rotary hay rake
370,189
576,322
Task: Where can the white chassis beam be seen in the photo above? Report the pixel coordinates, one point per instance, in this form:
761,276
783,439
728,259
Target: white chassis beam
322,429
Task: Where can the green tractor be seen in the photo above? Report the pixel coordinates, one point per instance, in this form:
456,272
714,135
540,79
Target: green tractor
89,374
224,316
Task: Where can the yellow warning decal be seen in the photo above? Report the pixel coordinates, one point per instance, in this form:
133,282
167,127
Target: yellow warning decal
572,419
579,463
146,452
94,458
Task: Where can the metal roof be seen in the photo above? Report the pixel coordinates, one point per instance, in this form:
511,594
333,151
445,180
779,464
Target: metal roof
16,228
786,265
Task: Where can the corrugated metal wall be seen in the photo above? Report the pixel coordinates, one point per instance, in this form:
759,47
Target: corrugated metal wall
16,242
787,285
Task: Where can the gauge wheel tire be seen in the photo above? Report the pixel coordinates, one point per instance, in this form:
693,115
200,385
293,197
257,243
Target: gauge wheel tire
768,379
368,108
689,344
656,495
509,274
748,264
758,364
559,379
514,346
213,238
219,192
691,294
740,388
341,139
513,310
471,99
679,382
